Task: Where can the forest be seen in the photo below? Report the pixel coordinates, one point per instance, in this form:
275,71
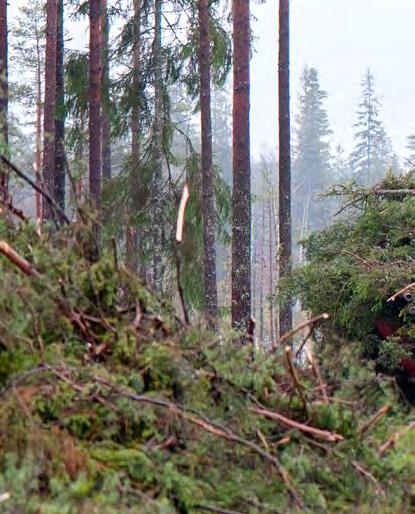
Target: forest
188,324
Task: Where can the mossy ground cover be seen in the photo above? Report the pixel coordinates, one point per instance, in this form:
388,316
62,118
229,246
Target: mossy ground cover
110,404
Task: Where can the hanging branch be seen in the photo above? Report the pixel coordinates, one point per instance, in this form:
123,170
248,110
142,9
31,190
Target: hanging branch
37,188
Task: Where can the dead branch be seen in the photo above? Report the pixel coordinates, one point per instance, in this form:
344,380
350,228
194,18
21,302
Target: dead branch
390,443
317,375
182,211
358,467
308,323
373,420
296,381
18,260
179,239
40,190
331,437
358,258
211,508
401,291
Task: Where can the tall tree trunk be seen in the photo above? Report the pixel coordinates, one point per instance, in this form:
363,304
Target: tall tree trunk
132,230
95,47
106,125
208,206
158,148
261,280
38,159
241,230
285,244
49,148
271,272
4,93
60,119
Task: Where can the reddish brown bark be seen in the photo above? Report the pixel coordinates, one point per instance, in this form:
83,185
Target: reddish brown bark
49,147
4,94
241,230
38,159
95,49
59,119
208,201
285,313
106,124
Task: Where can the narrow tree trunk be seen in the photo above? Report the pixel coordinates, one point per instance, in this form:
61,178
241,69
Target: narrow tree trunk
4,87
285,245
132,230
271,273
158,148
208,206
95,47
261,280
49,148
59,119
38,159
241,229
254,266
106,125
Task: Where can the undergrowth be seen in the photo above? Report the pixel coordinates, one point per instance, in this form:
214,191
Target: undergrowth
110,404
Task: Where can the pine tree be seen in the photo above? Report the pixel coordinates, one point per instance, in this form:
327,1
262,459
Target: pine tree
284,185
209,262
49,148
95,50
59,171
4,93
312,171
28,47
241,223
106,125
372,154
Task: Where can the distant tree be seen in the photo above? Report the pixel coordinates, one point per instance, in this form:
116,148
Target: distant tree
49,148
95,51
59,171
106,125
410,146
158,147
312,171
241,222
209,260
372,154
4,92
284,185
28,47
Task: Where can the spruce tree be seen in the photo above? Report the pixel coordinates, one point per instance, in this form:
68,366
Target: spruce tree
372,154
311,169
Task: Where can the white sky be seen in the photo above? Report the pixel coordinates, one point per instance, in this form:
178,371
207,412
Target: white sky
341,38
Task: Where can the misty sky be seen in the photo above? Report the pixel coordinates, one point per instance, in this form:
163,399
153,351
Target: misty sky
341,38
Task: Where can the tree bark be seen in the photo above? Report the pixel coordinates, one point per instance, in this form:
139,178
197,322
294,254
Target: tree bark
271,273
208,200
106,124
285,244
132,230
158,148
49,147
38,158
241,229
95,48
59,118
4,93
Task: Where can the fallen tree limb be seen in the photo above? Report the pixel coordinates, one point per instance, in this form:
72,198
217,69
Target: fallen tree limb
390,443
331,437
373,420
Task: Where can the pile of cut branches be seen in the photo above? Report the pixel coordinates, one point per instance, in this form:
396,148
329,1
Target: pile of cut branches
110,404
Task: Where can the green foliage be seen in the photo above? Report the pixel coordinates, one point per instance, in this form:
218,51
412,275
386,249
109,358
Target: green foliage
140,414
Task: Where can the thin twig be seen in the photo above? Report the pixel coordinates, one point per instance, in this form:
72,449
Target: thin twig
390,443
296,381
316,372
363,471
